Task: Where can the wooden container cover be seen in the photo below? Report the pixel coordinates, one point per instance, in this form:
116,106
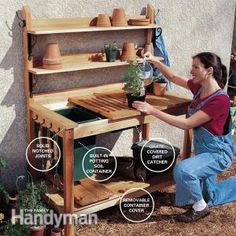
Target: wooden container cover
111,105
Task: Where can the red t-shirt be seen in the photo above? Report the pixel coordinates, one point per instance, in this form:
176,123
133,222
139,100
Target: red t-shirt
217,108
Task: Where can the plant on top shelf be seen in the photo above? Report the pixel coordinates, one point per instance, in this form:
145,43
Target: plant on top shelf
133,85
111,51
159,85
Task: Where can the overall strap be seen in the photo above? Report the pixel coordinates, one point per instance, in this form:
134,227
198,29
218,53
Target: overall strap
197,94
219,92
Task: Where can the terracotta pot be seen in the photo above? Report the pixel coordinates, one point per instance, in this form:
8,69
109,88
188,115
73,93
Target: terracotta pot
148,48
159,88
128,52
118,17
103,20
52,67
56,232
12,204
37,230
52,57
140,22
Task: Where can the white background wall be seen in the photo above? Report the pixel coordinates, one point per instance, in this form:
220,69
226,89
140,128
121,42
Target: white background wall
189,27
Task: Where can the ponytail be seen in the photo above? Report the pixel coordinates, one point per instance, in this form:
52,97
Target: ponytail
223,80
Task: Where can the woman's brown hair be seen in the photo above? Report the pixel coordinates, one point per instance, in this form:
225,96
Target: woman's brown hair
209,59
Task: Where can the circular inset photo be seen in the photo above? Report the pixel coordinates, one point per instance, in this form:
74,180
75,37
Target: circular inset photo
158,155
136,209
43,154
99,164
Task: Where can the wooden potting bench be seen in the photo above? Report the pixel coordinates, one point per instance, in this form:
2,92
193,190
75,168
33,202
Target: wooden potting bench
107,99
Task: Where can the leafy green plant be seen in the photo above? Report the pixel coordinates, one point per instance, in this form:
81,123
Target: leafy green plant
233,115
133,84
31,199
111,47
3,163
4,199
16,229
111,51
159,78
4,196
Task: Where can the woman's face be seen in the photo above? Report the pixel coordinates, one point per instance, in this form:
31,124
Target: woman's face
198,72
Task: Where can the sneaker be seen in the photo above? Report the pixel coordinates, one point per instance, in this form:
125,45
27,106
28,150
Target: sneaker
191,215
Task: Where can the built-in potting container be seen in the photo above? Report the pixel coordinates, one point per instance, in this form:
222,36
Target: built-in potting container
82,145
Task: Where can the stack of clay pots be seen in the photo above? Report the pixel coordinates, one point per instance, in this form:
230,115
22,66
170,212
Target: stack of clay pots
139,21
118,17
128,52
103,20
52,57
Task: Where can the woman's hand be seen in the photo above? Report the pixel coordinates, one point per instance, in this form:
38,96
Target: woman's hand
150,58
143,107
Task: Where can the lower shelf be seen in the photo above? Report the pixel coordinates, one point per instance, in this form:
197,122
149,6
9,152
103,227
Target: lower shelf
91,196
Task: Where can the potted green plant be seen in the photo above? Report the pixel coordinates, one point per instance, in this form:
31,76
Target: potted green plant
16,229
159,85
30,202
111,51
133,85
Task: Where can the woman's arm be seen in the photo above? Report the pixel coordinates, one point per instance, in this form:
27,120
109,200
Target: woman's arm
193,121
166,71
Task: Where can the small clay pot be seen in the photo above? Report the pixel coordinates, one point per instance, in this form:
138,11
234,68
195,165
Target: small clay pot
148,48
37,230
56,232
118,17
128,52
52,57
159,88
139,22
52,67
103,20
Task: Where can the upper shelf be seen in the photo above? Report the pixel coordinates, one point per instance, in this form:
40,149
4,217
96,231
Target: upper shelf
77,62
74,29
75,25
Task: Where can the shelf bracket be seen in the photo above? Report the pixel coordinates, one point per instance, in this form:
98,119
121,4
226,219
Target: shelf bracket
22,22
31,43
31,84
33,80
30,48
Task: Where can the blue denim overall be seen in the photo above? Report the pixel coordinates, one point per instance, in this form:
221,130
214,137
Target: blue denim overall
196,177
